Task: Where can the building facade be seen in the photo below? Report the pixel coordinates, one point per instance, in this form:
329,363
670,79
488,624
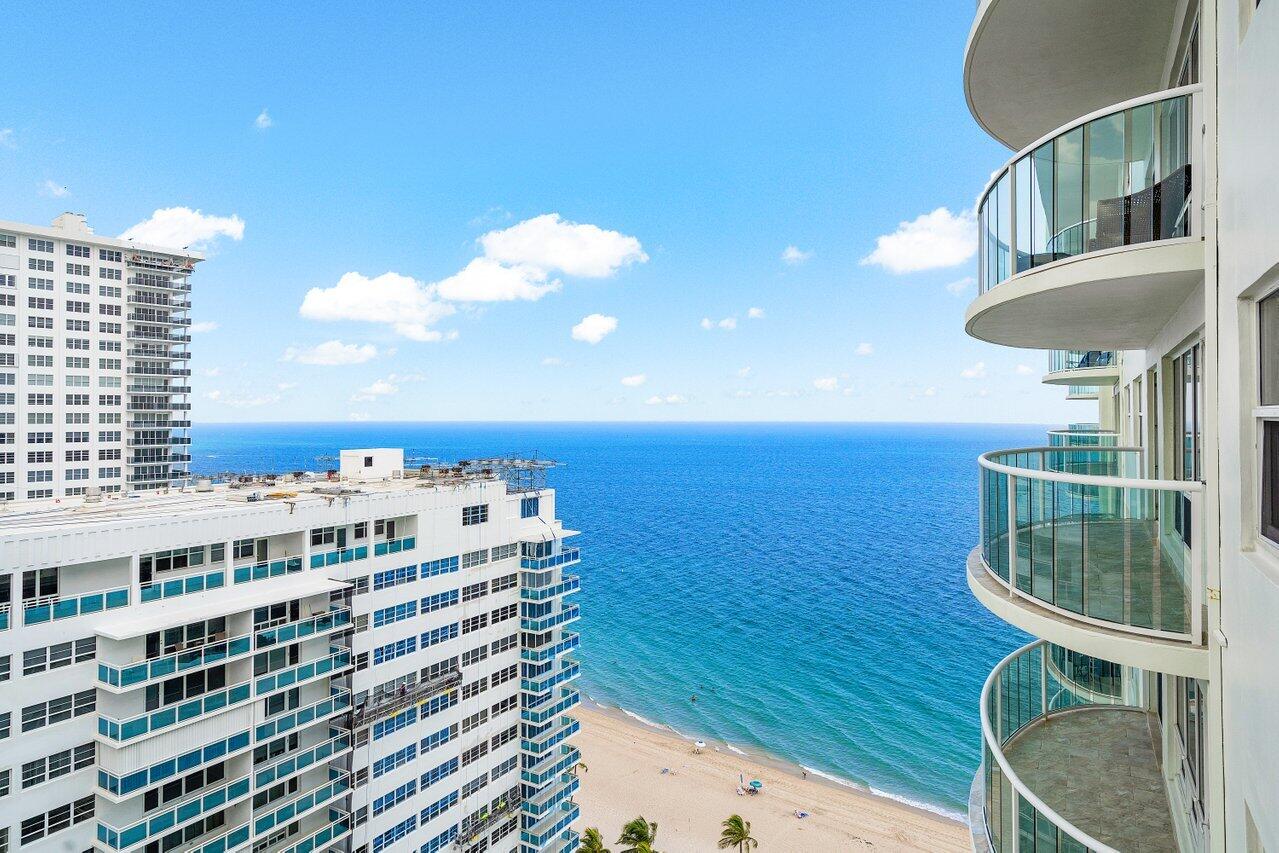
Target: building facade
374,661
94,362
1131,234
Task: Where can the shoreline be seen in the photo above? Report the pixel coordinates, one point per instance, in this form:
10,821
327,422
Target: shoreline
785,765
636,768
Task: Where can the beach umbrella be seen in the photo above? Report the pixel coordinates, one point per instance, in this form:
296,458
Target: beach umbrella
756,784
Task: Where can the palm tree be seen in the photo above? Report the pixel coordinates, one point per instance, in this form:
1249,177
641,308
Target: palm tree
639,835
737,833
592,842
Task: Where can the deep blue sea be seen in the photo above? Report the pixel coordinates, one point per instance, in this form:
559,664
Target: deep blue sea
804,581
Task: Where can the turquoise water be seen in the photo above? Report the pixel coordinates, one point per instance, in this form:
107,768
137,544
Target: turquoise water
804,582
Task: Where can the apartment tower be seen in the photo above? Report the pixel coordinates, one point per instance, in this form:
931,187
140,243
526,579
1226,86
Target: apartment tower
1131,235
373,659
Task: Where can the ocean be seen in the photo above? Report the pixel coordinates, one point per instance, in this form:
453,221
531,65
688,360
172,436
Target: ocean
790,590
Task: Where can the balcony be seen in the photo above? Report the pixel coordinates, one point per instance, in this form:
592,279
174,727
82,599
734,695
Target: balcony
185,585
569,670
201,803
339,782
1092,235
1030,66
336,661
337,702
570,584
121,731
187,660
1065,770
339,555
564,558
1082,367
1083,392
394,546
540,655
168,424
53,607
262,571
290,632
296,762
1078,549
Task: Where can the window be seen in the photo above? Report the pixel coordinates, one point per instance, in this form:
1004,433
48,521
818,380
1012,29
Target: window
58,764
505,552
1190,731
391,651
56,820
477,514
440,635
472,559
34,245
1187,391
439,601
394,577
43,714
529,507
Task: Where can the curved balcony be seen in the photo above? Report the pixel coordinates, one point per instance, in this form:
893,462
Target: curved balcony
1082,367
1083,392
1092,235
1030,65
1050,778
1077,549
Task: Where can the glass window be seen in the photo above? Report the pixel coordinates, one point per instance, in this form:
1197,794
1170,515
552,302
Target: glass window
1104,202
1068,195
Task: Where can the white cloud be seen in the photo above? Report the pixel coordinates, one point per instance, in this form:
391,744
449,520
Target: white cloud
486,280
331,353
864,348
212,371
286,386
634,381
182,227
405,304
6,138
826,383
213,395
201,328
930,241
743,372
551,243
379,388
755,313
930,391
977,371
594,328
961,286
552,361
1025,370
358,416
492,216
668,400
263,121
728,324
55,190
794,255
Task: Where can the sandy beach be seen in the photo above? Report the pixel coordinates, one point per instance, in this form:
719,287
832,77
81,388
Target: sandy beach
624,779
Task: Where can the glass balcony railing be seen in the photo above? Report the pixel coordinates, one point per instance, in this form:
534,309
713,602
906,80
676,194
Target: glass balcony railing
303,628
394,546
568,555
546,623
1025,774
161,822
178,662
1083,392
1060,360
158,590
6,612
1116,179
167,768
537,776
570,670
570,642
53,607
339,825
339,555
556,822
570,584
338,659
262,571
569,698
339,783
301,761
1078,530
1082,435
550,738
336,703
154,721
552,797
232,840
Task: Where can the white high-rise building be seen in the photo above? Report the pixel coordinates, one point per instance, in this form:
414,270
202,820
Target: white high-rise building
94,361
368,661
1133,232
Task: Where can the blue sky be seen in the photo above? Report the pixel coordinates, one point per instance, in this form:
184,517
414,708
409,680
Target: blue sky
649,163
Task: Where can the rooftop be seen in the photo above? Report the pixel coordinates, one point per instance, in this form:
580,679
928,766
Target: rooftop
72,226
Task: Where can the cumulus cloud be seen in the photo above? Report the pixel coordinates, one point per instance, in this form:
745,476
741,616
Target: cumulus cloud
331,353
548,242
53,189
728,324
594,328
486,280
405,304
794,255
182,227
929,241
667,400
826,383
1025,370
961,286
211,371
201,328
743,372
286,386
977,371
384,387
552,361
864,348
242,401
755,313
358,417
6,138
634,381
263,121
930,391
